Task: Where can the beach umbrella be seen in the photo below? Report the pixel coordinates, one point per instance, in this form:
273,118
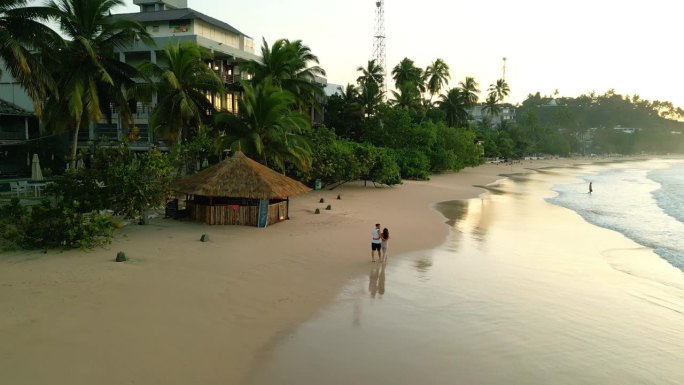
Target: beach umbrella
36,172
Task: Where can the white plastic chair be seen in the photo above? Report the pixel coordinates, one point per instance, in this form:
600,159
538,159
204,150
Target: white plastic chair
18,187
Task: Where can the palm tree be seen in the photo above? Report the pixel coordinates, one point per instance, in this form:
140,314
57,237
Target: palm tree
184,81
350,93
370,98
491,106
266,127
22,32
407,73
454,105
470,90
372,73
437,75
89,74
370,84
500,89
289,65
407,97
352,97
504,125
484,124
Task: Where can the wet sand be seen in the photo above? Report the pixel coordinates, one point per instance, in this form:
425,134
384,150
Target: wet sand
522,292
182,311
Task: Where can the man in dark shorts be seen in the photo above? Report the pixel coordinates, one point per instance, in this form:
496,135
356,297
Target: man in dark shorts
376,243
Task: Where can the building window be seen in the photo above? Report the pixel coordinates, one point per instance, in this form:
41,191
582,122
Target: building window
179,26
229,102
155,28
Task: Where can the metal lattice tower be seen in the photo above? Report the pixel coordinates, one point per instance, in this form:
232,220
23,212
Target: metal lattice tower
504,69
379,42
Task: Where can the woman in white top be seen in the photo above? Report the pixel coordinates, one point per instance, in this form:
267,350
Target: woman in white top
384,237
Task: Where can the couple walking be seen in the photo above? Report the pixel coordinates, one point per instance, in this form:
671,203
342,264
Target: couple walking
379,243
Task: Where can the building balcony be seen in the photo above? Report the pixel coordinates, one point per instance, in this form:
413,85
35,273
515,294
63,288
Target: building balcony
13,135
139,110
230,79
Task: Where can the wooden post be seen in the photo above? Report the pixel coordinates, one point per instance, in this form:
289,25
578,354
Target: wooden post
288,208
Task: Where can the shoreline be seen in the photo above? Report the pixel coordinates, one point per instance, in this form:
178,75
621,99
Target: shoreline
182,311
522,289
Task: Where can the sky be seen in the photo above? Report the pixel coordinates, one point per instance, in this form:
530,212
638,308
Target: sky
575,47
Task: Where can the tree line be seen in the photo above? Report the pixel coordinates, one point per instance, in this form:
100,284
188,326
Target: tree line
591,123
79,80
423,126
75,79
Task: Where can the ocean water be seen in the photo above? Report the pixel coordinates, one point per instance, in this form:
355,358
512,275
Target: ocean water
644,201
539,282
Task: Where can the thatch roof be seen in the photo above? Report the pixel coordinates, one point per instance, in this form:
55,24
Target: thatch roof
240,177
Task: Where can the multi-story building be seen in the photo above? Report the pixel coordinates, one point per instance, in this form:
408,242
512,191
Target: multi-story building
169,22
478,113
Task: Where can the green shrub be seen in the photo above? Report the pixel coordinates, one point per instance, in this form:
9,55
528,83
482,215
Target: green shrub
377,164
339,160
50,224
413,164
443,159
333,159
386,169
127,182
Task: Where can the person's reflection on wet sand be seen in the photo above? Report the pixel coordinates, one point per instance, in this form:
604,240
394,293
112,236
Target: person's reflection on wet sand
373,280
381,280
376,280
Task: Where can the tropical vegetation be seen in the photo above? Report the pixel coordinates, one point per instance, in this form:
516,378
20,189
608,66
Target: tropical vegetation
421,126
89,76
182,85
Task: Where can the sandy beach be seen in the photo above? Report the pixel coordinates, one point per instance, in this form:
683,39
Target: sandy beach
183,311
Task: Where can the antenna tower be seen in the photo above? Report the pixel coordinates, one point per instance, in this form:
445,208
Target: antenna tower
504,69
379,43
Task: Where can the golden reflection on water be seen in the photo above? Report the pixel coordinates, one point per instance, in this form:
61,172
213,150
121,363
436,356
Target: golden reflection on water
470,217
523,292
454,211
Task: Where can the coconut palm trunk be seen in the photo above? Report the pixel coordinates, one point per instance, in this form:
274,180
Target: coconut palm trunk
74,142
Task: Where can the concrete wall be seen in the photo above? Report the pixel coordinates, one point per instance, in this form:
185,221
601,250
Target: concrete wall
216,34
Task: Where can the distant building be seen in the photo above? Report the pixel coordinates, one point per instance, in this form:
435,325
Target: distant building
17,127
478,113
550,103
332,89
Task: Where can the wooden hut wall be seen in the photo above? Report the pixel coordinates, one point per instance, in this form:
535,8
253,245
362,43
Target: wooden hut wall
225,215
236,215
276,211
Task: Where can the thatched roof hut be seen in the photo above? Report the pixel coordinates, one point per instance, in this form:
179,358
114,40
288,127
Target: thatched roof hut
237,190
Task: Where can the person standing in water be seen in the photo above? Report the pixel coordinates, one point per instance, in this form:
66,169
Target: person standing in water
590,189
384,237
